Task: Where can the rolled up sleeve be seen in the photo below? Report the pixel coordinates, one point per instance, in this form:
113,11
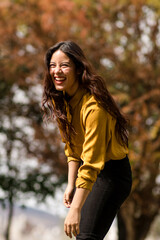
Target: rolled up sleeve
71,156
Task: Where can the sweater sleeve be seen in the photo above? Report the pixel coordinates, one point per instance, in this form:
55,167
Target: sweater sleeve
71,156
97,136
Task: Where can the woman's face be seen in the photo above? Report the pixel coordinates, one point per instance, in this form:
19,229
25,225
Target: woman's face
63,73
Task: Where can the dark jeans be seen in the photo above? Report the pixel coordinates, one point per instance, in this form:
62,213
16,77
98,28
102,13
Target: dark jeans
112,187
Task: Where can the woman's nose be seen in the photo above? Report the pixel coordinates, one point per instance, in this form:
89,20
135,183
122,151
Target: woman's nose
58,69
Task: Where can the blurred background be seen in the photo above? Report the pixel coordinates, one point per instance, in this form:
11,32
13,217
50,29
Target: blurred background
121,38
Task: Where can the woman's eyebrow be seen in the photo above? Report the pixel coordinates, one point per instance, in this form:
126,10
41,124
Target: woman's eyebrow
61,62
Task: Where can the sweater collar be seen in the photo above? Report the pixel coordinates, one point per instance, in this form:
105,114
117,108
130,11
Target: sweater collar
77,97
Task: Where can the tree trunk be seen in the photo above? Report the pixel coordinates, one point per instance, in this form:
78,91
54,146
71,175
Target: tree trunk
10,216
126,230
133,224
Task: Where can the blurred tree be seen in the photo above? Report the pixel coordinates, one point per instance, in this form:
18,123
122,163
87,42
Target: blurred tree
123,43
27,165
28,162
121,39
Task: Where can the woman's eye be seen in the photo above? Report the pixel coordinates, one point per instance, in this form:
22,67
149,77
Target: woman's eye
52,66
65,65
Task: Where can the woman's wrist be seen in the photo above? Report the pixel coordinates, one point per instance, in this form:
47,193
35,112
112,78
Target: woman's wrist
71,185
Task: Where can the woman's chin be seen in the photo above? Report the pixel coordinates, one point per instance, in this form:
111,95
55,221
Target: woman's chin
60,88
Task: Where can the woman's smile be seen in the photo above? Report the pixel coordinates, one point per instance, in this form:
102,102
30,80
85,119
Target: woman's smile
59,80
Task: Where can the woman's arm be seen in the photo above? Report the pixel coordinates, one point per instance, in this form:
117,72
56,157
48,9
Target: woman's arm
72,175
73,201
71,224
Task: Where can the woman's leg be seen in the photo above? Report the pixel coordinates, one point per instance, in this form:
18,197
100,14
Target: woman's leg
112,187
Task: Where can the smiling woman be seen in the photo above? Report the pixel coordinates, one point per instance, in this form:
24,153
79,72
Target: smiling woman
63,73
96,139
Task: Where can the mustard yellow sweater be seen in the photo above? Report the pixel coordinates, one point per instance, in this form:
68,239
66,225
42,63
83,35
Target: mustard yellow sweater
95,141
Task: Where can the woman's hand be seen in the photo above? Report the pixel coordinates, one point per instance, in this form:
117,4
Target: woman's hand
72,221
68,196
71,224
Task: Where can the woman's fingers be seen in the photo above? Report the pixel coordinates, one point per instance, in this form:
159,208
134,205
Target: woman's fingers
66,202
71,224
71,229
75,230
68,196
67,229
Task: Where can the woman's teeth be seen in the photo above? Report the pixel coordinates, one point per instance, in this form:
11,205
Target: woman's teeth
59,79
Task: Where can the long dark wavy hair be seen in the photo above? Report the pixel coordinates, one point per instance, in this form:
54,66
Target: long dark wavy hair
53,100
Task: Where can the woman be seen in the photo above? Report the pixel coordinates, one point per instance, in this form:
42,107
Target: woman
96,140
